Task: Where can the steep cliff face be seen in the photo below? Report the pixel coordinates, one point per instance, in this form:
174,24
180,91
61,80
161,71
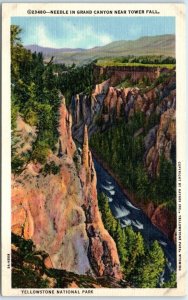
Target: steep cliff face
165,138
86,109
120,73
55,205
165,221
111,100
158,106
160,101
66,144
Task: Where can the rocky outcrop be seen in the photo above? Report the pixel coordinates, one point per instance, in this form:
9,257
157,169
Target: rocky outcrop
101,88
160,101
47,209
120,73
102,250
131,100
86,109
162,218
55,205
109,103
66,144
85,151
165,137
81,107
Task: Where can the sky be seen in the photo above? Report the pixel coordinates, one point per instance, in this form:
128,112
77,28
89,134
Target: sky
89,32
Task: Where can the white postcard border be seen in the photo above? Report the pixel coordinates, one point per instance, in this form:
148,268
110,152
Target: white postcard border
21,9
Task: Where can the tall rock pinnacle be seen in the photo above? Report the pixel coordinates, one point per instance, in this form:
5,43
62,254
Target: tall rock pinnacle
85,148
77,110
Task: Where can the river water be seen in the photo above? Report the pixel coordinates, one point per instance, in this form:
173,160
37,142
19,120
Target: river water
128,214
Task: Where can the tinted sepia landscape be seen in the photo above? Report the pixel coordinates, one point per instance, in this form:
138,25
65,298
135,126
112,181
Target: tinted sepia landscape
93,162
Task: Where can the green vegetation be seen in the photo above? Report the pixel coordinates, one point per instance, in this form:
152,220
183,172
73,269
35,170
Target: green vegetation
34,95
114,63
150,59
138,61
35,87
171,283
25,262
51,168
73,80
123,151
141,265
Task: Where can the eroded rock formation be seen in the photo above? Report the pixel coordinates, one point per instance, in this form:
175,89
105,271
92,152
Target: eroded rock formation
102,250
135,73
58,210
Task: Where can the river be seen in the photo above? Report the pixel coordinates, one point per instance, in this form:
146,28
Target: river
128,214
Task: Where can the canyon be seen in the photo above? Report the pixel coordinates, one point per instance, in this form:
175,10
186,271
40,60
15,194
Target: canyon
55,202
110,103
93,165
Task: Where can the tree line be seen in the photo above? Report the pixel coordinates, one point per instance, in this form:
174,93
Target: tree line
148,59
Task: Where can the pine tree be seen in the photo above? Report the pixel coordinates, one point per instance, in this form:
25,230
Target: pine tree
172,282
142,266
120,238
149,269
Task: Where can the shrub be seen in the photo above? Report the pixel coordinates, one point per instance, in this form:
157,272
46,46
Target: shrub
40,152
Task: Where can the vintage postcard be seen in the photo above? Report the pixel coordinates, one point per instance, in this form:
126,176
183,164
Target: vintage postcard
93,138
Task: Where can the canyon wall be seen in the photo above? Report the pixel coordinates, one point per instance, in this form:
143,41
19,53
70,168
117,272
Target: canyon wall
134,73
111,104
55,205
108,104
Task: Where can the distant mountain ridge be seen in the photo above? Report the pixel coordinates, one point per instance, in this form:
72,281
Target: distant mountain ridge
48,50
148,45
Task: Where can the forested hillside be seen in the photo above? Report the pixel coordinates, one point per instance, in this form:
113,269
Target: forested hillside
34,96
35,89
124,152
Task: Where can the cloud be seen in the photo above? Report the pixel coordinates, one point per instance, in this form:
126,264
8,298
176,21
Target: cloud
43,38
134,31
85,37
105,39
72,36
